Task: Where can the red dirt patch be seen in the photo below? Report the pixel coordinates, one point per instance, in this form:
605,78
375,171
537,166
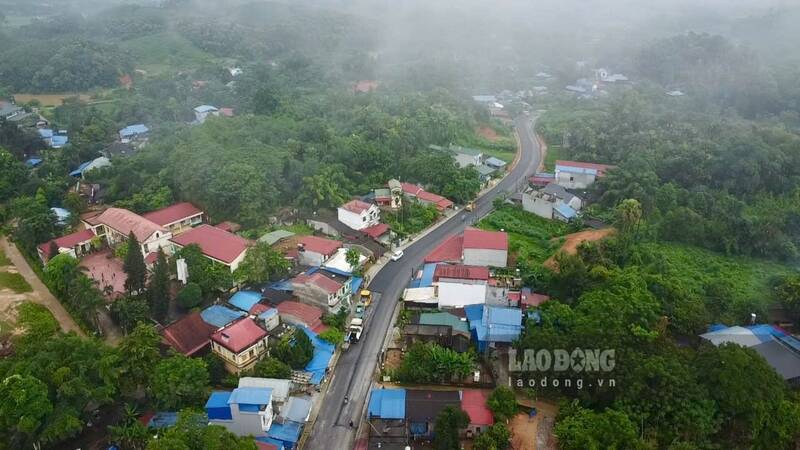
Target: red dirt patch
573,240
487,133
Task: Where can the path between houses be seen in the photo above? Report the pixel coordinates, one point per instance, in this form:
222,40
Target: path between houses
40,294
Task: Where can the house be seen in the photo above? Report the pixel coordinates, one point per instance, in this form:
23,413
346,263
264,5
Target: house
217,245
451,331
176,218
297,409
226,112
115,225
359,215
386,413
246,411
190,335
459,273
426,198
552,202
391,196
579,175
485,173
280,388
313,250
274,237
320,288
495,163
133,132
423,407
450,250
492,325
421,296
88,166
474,403
245,300
488,99
75,244
466,157
338,262
485,248
542,179
202,112
118,149
301,314
379,232
240,344
460,285
780,349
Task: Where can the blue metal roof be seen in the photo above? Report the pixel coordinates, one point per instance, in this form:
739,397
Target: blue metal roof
79,171
473,312
45,133
250,396
58,141
387,403
217,406
205,108
323,352
497,315
219,316
355,284
287,432
426,280
133,130
580,170
33,162
245,300
566,211
272,312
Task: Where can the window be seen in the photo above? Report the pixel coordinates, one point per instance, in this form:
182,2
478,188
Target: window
571,178
363,219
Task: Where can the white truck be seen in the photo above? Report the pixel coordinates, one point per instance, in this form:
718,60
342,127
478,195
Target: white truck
354,332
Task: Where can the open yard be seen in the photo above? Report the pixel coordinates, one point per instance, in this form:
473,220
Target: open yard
572,241
531,238
50,99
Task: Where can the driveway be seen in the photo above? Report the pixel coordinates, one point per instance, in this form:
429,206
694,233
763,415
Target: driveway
355,368
40,294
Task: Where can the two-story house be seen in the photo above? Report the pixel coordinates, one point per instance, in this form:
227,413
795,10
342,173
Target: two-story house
322,289
359,215
216,244
579,175
115,225
246,411
313,250
552,202
240,344
176,218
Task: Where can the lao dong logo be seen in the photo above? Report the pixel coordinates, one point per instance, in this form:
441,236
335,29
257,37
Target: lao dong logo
578,360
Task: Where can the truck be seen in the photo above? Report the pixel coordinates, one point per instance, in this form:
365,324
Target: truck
354,332
469,206
366,297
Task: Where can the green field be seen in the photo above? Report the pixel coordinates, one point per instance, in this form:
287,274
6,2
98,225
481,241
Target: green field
531,237
165,52
554,152
4,261
15,282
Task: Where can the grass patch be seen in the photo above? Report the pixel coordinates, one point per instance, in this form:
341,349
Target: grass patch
554,153
300,228
531,237
4,261
163,52
15,282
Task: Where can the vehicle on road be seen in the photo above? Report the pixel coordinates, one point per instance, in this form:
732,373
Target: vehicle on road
354,332
360,309
366,297
470,206
397,255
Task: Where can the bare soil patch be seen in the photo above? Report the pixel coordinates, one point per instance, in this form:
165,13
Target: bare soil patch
573,240
488,133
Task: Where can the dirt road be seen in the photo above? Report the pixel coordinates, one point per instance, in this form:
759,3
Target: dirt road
40,294
573,240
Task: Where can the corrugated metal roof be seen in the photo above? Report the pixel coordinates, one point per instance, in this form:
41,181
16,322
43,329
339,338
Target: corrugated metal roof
428,270
275,236
387,403
219,315
566,211
251,396
245,300
443,318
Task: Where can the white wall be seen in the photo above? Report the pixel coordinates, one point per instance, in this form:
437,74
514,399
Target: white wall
537,205
456,295
310,258
366,218
157,240
482,257
574,180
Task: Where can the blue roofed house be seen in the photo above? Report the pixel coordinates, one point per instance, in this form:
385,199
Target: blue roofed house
492,325
288,433
219,316
59,141
552,202
245,300
202,112
386,412
133,132
245,411
88,166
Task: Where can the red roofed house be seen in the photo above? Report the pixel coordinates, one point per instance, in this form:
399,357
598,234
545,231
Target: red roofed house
240,344
379,232
450,250
459,273
359,215
485,248
322,289
176,218
217,245
424,197
189,335
296,313
579,175
115,224
76,244
313,250
473,402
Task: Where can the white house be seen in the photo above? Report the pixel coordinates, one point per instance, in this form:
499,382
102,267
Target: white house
247,411
76,244
313,250
202,112
458,295
359,215
579,175
467,156
485,248
550,201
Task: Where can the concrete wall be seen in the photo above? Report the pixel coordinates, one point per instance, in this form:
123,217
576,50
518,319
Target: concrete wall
310,258
322,227
534,204
574,180
483,257
247,423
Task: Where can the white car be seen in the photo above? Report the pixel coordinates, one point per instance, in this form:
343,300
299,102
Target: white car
397,255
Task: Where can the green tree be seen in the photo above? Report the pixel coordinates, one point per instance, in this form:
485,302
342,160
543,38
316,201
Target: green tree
332,335
261,263
450,421
295,349
272,368
352,256
497,437
128,311
179,381
193,432
158,291
24,407
130,433
190,296
139,353
502,403
584,429
788,293
432,363
134,267
212,277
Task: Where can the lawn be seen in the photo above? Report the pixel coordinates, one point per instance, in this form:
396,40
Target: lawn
531,237
503,145
15,282
554,152
4,261
165,52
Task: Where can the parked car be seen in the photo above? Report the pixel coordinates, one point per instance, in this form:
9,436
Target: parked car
397,255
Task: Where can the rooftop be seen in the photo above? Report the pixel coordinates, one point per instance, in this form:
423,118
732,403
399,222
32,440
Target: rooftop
473,402
132,130
460,271
448,251
387,403
214,242
173,213
376,231
67,241
310,315
317,279
239,335
280,388
219,316
486,240
319,245
125,222
444,318
245,300
356,206
250,396
599,168
276,236
425,406
189,334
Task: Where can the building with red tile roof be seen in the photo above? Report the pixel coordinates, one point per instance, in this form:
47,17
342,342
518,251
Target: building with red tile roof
297,313
76,244
177,218
460,272
116,224
358,215
376,231
473,402
321,289
485,248
240,344
218,245
313,250
189,335
450,250
425,197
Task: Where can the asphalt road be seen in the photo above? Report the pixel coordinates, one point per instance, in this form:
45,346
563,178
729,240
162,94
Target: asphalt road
355,368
